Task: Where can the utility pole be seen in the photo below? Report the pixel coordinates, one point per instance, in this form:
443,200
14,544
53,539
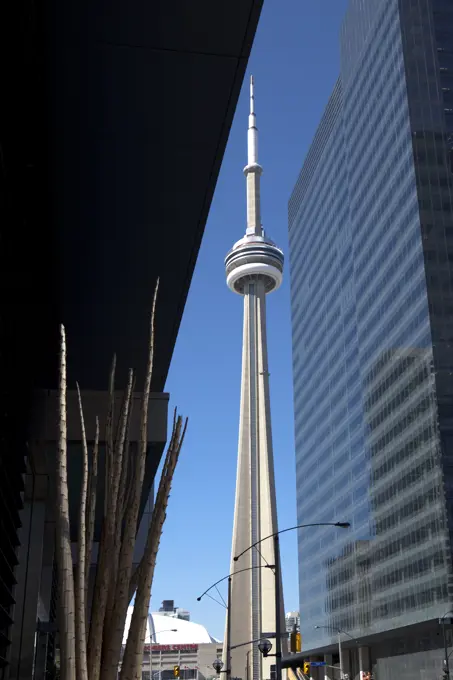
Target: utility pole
340,654
278,629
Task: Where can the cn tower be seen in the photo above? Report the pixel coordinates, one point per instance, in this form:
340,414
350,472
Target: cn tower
254,268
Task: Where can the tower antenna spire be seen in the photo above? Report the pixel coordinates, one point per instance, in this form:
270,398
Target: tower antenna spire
253,171
252,145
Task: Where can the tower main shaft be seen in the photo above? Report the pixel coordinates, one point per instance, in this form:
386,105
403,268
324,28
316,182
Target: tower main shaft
254,268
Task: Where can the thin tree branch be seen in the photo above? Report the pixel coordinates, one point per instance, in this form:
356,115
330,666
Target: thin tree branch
80,622
91,510
109,435
136,574
121,458
126,464
63,538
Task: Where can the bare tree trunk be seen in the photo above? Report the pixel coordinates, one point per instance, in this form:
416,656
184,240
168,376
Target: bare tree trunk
122,457
133,583
91,512
107,543
127,468
116,629
80,623
100,586
63,538
109,434
131,668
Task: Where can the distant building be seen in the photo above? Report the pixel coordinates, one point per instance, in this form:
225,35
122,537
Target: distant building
292,619
178,642
168,609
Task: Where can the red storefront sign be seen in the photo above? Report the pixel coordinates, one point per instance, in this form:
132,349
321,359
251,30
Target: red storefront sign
171,648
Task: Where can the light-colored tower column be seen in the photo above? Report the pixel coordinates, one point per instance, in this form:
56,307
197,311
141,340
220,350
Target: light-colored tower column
254,268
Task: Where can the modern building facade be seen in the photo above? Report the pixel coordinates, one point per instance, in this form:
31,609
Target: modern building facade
371,250
254,268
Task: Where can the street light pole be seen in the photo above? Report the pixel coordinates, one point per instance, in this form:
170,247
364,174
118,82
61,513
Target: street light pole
247,666
340,649
278,645
340,655
278,631
444,633
447,666
151,635
228,654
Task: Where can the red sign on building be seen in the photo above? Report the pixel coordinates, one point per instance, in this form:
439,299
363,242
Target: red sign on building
171,648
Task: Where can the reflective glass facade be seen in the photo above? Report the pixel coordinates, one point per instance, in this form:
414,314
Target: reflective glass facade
371,252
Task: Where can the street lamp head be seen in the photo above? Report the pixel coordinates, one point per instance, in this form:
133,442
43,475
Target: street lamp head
343,525
158,632
265,646
217,665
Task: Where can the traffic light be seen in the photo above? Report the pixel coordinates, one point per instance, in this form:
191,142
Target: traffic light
306,668
176,673
295,642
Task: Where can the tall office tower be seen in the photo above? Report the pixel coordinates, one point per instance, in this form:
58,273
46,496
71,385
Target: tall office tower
371,250
253,268
292,619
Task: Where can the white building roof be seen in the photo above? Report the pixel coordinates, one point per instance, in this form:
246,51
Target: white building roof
167,630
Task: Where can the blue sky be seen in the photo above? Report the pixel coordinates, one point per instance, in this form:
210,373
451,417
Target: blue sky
295,62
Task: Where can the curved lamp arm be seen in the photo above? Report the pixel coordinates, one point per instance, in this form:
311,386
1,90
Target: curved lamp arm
342,525
263,566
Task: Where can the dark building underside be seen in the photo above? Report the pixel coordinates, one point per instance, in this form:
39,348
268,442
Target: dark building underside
113,124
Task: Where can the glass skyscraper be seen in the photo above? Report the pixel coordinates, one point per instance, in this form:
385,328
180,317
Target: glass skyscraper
371,254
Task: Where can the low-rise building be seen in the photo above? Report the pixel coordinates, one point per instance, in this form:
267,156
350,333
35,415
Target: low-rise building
173,641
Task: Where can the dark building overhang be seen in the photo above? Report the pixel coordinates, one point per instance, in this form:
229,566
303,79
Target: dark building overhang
113,125
112,141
